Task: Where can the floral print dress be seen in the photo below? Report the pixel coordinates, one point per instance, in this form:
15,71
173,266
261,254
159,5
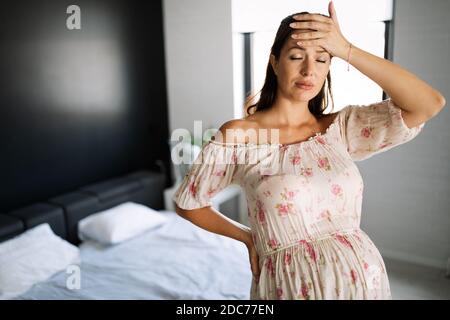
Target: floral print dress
304,204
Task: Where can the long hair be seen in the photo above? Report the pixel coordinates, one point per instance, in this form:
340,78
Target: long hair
269,90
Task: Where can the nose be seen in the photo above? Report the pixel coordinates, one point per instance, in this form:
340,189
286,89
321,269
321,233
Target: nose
307,67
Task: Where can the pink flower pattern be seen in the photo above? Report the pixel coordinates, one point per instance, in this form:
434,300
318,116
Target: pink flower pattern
283,208
260,212
305,291
273,243
220,173
295,158
287,258
310,249
365,132
321,140
354,276
280,293
193,189
344,240
307,172
323,163
270,268
325,214
336,189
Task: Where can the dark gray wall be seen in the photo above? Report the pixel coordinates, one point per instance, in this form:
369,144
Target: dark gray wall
79,106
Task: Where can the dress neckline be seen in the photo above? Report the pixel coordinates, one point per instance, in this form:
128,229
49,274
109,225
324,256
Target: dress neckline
279,145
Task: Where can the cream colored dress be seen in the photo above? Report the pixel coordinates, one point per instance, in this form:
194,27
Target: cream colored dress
304,204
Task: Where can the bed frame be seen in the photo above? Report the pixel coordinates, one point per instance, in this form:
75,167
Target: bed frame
63,212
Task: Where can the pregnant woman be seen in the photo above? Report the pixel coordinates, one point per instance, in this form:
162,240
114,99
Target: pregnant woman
304,192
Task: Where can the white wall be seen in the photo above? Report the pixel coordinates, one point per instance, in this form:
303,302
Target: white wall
260,15
199,62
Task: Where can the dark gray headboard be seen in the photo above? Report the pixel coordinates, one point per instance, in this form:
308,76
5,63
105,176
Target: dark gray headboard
63,212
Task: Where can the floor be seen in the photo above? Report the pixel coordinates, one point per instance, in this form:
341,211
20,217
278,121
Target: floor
414,282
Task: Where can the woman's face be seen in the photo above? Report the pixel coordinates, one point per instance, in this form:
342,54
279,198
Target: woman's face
297,64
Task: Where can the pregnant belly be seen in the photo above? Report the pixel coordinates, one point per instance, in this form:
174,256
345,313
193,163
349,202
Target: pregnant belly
346,265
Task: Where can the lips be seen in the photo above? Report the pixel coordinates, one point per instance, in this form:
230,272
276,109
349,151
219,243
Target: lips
304,85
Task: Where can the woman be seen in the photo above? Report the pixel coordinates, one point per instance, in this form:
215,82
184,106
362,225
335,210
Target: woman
305,194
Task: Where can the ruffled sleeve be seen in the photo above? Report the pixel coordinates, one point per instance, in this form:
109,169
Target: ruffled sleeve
212,171
375,128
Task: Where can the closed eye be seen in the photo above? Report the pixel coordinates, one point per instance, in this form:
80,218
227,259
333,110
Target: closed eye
302,58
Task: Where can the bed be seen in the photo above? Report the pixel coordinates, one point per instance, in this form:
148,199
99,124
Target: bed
177,260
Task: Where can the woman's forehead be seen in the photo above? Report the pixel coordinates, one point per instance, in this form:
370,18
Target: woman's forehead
291,45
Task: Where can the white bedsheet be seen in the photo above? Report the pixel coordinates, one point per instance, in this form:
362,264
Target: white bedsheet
175,261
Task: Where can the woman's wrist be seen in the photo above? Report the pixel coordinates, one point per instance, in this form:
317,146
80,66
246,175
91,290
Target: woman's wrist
247,237
346,54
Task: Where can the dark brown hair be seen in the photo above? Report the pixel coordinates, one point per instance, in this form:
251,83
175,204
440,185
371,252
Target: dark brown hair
269,90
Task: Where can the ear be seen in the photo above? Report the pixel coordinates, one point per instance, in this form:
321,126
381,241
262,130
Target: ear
274,63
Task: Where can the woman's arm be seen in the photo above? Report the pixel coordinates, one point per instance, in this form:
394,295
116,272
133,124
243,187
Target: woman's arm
418,99
212,220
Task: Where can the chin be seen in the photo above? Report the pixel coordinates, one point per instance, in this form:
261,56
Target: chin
302,99
304,96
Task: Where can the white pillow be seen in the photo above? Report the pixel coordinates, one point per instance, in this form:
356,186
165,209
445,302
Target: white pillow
32,257
119,223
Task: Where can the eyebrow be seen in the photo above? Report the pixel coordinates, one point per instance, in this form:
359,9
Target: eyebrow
319,51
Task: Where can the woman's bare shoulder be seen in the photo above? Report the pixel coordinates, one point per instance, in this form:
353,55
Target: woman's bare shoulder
234,131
